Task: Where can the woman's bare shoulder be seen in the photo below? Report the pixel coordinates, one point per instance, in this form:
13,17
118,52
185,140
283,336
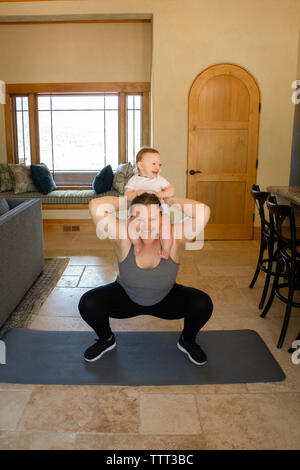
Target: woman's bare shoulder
121,245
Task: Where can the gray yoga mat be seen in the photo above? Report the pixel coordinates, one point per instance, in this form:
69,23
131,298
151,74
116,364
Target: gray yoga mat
140,358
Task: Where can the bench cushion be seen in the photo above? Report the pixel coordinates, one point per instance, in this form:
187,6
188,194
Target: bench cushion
63,196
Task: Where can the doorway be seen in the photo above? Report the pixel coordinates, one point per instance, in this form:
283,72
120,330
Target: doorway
224,107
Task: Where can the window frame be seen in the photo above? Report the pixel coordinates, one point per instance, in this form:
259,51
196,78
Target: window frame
33,90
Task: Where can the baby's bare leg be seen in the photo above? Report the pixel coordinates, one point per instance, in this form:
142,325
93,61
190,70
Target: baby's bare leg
166,237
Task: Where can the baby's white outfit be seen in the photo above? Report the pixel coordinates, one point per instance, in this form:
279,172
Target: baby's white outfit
152,185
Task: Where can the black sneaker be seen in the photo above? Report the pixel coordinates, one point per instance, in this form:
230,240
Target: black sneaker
193,350
99,348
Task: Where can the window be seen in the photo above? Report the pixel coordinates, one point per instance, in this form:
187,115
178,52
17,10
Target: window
134,125
76,133
79,132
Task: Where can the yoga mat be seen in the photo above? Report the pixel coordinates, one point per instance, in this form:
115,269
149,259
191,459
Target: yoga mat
140,358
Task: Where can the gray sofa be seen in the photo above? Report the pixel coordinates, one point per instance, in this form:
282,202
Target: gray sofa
21,251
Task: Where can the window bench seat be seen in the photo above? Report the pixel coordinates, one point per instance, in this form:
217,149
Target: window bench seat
62,198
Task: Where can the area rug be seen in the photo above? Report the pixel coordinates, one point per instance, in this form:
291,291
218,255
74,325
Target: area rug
36,295
140,358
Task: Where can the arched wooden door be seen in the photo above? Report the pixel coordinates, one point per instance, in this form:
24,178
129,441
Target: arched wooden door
224,105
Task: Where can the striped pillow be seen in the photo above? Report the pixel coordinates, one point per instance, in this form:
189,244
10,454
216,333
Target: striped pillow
23,182
121,175
6,180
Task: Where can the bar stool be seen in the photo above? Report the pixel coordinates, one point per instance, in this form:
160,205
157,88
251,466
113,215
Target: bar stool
267,241
288,261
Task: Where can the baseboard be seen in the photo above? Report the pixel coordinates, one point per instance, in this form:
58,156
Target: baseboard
87,226
68,225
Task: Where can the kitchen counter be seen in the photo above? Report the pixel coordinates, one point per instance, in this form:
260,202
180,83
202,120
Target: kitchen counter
290,193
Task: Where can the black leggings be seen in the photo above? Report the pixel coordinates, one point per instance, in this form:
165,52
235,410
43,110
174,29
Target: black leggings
111,300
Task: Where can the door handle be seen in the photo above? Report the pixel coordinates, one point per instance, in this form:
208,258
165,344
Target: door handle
192,172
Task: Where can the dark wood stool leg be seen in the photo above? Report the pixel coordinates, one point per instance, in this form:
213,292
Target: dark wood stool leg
260,257
291,282
268,277
272,294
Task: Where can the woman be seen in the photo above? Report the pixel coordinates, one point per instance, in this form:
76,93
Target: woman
146,282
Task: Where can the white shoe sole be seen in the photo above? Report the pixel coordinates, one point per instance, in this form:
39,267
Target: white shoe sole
189,356
101,354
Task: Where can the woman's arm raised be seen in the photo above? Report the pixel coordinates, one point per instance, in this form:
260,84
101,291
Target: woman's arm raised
103,211
195,217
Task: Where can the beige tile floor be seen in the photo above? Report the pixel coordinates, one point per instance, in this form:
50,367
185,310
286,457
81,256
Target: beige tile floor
242,416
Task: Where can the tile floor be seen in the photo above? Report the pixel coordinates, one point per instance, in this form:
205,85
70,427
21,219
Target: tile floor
242,416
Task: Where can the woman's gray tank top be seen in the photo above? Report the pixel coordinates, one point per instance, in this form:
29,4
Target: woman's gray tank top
146,286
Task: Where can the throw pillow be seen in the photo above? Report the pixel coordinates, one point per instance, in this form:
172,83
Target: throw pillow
6,181
122,174
42,178
103,180
4,207
22,180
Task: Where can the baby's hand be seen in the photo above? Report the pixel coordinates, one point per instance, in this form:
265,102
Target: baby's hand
140,191
159,194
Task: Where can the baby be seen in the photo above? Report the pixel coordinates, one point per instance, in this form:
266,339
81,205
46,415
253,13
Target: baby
148,162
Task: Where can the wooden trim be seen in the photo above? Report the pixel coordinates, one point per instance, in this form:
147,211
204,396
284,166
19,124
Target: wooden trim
93,87
70,221
146,119
122,128
9,126
60,225
8,23
13,122
64,206
19,1
222,125
34,129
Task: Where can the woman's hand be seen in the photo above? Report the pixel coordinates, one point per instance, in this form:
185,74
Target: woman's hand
169,191
196,216
130,194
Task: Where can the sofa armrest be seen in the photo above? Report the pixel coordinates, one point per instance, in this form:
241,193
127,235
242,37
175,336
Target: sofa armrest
14,202
21,254
22,208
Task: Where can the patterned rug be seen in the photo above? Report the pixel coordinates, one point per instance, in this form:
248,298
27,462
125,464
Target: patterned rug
36,295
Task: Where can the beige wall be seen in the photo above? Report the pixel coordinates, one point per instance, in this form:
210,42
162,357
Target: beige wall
188,36
92,52
96,52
